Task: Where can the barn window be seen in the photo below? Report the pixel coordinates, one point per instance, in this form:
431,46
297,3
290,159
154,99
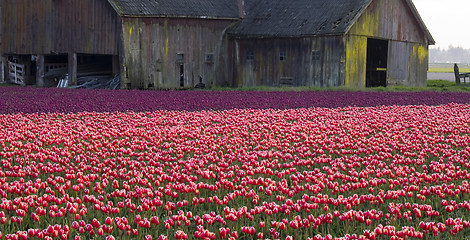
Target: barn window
209,58
315,55
282,56
250,55
179,58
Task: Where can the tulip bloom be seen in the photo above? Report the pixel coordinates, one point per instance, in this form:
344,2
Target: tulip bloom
218,173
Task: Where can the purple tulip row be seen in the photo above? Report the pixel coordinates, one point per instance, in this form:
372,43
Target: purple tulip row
30,100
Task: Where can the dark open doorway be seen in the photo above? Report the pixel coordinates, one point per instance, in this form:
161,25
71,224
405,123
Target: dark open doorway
182,75
377,55
88,69
98,64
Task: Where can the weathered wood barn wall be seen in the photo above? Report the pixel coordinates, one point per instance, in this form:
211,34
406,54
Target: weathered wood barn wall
397,23
175,44
59,28
174,52
305,61
358,43
48,26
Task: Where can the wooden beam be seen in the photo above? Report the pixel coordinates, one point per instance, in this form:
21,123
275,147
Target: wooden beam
116,65
457,74
72,65
27,70
3,61
40,63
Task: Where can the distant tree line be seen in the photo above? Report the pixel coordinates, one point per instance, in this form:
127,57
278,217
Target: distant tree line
451,55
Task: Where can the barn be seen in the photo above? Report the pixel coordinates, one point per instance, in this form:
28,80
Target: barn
358,43
43,39
162,44
175,44
151,44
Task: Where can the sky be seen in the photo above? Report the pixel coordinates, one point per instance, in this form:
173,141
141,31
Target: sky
447,20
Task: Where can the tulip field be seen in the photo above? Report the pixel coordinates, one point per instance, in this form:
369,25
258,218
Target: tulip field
206,165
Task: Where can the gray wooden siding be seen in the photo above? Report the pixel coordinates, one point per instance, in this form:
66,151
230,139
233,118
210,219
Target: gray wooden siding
48,26
390,20
297,69
408,64
151,46
398,63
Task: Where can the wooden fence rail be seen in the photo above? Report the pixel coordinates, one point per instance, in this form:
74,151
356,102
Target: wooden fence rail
16,73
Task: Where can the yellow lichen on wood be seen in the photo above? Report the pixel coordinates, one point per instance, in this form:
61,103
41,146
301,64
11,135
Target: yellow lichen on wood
367,25
166,34
166,46
349,69
421,52
356,54
128,29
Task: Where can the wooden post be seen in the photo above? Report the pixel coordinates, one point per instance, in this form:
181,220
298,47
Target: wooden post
26,70
72,65
2,69
457,74
116,65
40,67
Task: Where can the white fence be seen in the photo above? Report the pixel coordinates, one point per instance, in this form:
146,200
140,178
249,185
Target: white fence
16,73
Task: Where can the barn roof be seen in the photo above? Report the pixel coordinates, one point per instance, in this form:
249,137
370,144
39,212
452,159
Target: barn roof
299,17
263,18
177,8
283,18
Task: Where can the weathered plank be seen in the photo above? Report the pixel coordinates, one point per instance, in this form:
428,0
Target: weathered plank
151,46
390,20
40,70
399,62
47,26
289,60
72,68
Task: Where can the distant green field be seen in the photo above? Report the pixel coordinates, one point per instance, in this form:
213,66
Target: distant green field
432,86
447,67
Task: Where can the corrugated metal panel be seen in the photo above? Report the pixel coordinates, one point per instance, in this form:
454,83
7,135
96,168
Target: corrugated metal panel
177,8
298,17
48,26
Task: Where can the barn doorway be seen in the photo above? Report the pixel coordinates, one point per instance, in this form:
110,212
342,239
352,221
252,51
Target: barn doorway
181,75
377,56
90,63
